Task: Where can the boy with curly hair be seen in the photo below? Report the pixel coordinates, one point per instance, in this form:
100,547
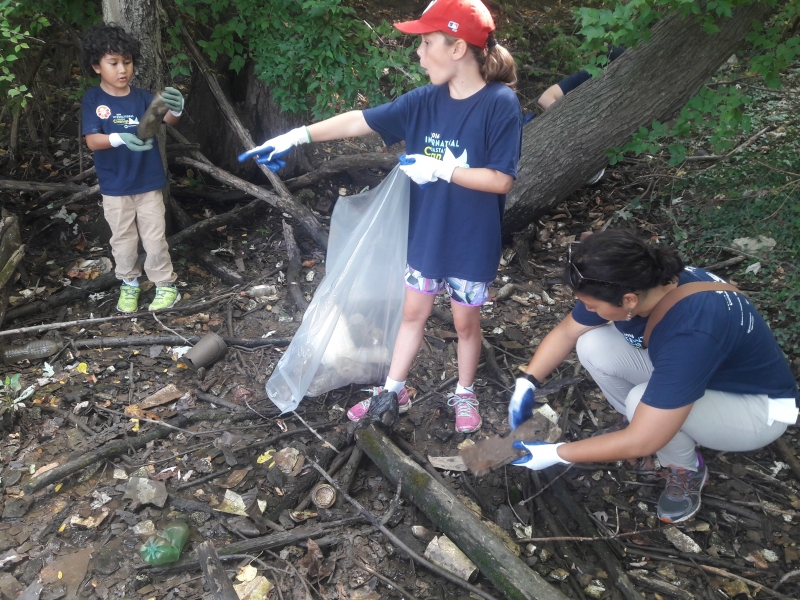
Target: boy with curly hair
129,170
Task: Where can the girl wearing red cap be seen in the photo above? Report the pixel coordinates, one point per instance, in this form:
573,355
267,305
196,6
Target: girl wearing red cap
463,135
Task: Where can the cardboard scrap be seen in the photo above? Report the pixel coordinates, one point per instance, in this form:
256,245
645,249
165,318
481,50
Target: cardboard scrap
162,396
496,451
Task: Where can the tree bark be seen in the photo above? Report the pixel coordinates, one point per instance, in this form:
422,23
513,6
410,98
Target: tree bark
564,147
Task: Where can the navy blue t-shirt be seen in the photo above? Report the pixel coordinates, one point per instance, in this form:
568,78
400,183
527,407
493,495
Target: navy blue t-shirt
454,231
707,341
122,172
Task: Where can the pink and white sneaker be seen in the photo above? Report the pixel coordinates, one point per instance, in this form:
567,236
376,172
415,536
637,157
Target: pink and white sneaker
360,409
468,419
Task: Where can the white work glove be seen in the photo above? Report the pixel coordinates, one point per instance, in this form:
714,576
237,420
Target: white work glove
520,408
130,141
270,152
425,169
540,455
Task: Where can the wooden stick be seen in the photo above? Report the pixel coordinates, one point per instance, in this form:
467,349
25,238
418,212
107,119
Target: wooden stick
214,573
293,270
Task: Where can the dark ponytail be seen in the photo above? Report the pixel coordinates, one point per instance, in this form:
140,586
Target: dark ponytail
620,258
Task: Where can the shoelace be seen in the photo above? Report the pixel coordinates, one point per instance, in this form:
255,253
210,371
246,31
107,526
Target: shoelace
129,292
679,482
462,404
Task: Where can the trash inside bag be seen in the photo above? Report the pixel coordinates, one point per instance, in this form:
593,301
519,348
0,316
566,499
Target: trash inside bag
348,331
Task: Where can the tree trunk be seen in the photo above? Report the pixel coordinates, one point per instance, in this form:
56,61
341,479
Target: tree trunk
140,18
564,147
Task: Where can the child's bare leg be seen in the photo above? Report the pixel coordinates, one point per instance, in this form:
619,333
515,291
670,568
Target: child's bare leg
416,310
468,326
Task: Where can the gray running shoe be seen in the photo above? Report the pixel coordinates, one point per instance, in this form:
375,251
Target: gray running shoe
681,498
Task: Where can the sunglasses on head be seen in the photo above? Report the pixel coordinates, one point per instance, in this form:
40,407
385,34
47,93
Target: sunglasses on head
576,278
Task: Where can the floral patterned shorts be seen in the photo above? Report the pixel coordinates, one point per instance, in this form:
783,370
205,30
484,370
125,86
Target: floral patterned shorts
461,291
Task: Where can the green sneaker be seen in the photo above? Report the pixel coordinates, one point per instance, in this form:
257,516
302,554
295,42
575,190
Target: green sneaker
128,298
166,297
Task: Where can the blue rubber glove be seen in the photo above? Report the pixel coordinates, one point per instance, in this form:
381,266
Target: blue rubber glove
520,408
270,152
173,99
130,141
540,455
425,169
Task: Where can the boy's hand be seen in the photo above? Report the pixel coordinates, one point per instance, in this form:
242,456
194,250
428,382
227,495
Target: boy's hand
131,141
173,99
270,152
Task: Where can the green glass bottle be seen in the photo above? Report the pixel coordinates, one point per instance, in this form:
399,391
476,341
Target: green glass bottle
165,548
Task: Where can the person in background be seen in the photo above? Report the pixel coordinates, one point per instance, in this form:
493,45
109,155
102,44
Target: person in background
463,137
712,374
129,170
557,91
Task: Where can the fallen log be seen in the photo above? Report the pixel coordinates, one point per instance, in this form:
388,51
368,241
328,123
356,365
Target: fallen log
366,160
35,186
501,566
206,259
214,573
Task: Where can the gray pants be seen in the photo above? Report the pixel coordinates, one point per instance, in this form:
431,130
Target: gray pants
719,420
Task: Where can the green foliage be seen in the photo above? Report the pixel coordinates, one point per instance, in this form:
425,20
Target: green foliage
718,115
23,27
10,398
315,55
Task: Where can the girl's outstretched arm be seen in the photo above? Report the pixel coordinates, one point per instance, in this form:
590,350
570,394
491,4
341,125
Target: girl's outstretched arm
345,125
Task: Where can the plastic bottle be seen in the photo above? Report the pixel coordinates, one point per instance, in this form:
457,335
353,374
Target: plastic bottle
29,351
165,548
260,290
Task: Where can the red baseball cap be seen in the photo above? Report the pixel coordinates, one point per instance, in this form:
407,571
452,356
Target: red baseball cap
468,20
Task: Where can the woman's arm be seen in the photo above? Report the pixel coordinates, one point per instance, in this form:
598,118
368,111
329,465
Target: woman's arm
555,347
649,431
345,125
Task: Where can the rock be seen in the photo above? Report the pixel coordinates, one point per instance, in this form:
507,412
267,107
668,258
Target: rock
16,508
105,561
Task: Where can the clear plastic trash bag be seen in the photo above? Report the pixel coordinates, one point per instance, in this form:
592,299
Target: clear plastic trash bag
349,329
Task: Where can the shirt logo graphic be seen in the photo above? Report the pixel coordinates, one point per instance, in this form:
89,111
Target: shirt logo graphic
103,111
452,26
127,121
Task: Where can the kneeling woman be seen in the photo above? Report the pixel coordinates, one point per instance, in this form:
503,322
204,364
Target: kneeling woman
712,374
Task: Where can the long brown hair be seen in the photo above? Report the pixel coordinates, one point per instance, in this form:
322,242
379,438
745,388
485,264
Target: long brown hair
495,62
